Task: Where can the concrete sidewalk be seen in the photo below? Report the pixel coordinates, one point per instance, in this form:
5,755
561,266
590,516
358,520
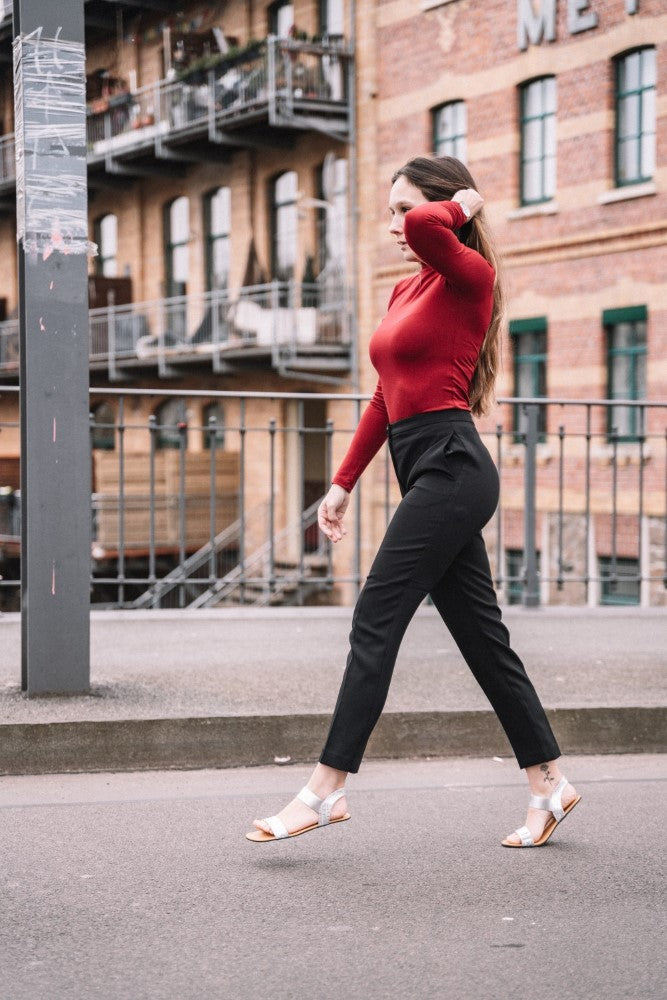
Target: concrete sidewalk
243,686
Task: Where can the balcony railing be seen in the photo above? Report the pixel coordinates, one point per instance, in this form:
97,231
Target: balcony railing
285,322
227,512
281,82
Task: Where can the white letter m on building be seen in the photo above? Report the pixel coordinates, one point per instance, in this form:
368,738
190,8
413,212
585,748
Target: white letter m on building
534,26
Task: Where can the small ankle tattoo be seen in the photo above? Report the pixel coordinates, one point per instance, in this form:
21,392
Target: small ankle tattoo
546,774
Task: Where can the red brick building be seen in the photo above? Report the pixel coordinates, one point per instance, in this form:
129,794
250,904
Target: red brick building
560,111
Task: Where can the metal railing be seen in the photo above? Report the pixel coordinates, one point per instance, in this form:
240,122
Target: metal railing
281,319
228,511
285,82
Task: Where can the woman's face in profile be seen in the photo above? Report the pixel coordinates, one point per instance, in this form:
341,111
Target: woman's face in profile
402,197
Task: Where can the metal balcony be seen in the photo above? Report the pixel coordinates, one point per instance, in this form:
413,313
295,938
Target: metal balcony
254,99
260,98
294,329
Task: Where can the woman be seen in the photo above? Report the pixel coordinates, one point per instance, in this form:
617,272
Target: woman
436,353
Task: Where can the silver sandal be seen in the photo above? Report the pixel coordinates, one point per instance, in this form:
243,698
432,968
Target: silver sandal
322,807
552,803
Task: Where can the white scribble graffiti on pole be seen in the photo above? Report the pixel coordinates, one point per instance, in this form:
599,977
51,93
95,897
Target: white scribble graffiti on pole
51,192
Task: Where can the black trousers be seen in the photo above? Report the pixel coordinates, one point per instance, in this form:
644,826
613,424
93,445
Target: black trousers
433,545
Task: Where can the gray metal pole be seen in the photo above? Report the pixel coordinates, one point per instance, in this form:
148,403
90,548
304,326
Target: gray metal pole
531,593
52,231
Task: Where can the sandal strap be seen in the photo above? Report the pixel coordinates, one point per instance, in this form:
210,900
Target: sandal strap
322,807
277,827
328,804
525,836
552,803
310,799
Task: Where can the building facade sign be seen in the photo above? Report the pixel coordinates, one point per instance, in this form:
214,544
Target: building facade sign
536,19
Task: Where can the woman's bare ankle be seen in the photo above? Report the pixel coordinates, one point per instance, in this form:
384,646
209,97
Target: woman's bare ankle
543,778
324,780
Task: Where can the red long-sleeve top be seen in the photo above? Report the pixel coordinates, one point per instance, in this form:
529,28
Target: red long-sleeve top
426,348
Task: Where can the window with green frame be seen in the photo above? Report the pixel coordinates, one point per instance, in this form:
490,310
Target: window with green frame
619,580
514,568
635,116
103,427
171,425
217,223
625,331
538,140
529,356
450,130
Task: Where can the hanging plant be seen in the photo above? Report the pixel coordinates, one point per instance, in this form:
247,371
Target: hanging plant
200,67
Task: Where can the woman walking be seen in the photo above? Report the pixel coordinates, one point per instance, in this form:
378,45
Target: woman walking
436,353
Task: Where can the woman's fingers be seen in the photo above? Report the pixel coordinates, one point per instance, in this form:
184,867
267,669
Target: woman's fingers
330,514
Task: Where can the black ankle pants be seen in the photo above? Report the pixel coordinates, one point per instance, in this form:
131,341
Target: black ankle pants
433,545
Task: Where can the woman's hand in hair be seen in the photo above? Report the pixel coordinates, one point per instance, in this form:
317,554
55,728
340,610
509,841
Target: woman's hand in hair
470,198
330,513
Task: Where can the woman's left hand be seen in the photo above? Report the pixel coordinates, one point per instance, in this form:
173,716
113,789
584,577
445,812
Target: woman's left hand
331,511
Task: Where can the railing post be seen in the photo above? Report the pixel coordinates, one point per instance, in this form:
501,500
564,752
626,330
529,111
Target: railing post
111,335
531,587
271,65
212,431
272,500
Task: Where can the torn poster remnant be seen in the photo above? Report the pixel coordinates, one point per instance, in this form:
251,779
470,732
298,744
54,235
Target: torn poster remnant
50,110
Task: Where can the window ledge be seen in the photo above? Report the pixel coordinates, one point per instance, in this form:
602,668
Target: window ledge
627,453
430,4
514,454
528,211
627,192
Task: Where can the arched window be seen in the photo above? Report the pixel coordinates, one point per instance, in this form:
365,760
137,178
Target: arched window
176,240
171,424
106,237
103,429
214,411
332,18
281,18
284,225
332,230
217,222
450,130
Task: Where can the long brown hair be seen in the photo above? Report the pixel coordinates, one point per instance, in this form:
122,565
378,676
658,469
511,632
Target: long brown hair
438,178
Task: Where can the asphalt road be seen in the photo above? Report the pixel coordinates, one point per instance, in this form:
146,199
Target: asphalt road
142,885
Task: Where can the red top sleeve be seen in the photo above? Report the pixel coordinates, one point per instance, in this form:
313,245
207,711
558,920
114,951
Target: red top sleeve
429,230
370,435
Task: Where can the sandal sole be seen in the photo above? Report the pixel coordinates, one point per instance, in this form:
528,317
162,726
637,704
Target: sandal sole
262,837
548,829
